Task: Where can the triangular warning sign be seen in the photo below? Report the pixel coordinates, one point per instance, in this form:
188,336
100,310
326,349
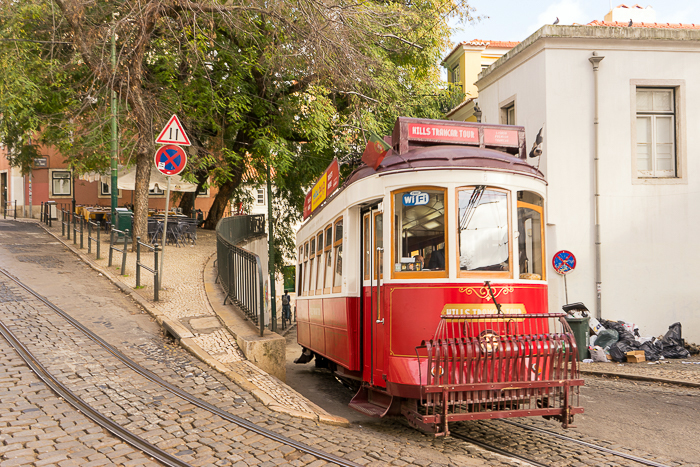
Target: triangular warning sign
173,133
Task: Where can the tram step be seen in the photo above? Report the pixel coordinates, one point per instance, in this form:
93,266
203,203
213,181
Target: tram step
372,403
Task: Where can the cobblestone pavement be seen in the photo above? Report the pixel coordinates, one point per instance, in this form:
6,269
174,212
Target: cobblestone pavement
136,405
184,300
38,428
382,443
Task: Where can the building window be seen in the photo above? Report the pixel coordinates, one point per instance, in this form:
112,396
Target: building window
61,183
455,75
156,191
656,133
508,114
260,196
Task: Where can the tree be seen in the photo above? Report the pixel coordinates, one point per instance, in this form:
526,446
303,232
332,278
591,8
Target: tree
286,84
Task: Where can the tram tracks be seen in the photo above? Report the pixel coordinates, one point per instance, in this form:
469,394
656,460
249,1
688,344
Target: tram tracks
117,429
546,436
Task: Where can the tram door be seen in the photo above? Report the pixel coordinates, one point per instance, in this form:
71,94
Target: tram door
373,313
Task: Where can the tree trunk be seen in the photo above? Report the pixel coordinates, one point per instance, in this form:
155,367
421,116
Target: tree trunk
143,176
222,200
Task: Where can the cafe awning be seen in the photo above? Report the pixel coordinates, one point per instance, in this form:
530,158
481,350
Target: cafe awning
126,180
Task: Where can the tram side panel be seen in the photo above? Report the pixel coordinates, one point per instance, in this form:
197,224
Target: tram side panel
330,328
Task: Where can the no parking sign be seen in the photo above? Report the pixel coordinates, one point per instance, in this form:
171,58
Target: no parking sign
564,262
170,159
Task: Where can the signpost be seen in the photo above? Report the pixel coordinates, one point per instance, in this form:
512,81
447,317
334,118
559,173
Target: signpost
563,263
170,160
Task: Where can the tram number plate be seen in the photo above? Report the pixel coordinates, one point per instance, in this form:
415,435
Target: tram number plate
415,198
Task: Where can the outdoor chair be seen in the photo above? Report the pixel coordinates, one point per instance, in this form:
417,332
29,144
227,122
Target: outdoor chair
174,235
155,230
188,228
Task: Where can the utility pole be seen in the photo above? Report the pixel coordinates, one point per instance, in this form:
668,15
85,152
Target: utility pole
114,191
271,254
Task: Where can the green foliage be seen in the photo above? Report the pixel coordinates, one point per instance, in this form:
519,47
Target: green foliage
257,84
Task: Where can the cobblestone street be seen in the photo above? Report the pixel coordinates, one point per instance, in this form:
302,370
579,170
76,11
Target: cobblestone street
37,428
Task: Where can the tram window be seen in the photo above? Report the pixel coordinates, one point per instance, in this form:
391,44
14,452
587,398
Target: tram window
328,260
379,241
338,231
319,263
483,230
530,236
306,268
329,237
338,256
368,243
312,270
300,275
419,236
312,277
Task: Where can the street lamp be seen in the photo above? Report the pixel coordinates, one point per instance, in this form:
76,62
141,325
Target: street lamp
477,112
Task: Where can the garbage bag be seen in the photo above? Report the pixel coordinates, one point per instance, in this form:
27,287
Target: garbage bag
606,338
598,354
651,353
672,345
623,333
618,351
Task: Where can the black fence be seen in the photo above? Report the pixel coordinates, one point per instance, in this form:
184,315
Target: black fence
239,270
10,206
139,265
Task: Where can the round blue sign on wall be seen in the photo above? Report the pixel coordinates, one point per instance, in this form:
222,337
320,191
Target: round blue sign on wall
564,262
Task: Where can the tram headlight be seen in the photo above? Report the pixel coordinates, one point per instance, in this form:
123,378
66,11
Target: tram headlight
489,340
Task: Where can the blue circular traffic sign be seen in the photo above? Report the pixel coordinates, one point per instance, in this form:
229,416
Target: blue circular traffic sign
170,159
564,262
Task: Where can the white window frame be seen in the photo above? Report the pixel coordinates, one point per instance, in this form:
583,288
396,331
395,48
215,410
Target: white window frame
506,107
156,194
70,183
260,195
680,150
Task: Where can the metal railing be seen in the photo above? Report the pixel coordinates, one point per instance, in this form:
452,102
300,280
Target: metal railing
156,282
497,366
91,239
14,213
112,248
238,270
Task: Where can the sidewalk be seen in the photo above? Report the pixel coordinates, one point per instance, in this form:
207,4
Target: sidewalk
185,311
190,309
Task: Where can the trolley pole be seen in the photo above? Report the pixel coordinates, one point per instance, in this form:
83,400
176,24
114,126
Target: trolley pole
165,234
113,186
271,254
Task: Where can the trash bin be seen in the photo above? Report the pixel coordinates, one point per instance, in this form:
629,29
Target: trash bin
124,220
579,326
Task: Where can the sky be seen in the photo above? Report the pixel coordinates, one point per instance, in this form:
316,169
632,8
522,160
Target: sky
514,20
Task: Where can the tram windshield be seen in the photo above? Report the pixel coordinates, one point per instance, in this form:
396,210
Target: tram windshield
483,229
420,230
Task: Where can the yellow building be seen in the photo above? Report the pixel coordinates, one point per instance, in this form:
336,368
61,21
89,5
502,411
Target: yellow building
463,64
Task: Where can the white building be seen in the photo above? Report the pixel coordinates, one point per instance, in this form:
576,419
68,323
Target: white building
648,150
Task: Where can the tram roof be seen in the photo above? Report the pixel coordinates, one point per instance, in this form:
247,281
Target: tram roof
448,157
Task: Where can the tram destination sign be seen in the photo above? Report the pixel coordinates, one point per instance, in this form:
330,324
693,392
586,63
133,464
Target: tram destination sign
324,186
442,132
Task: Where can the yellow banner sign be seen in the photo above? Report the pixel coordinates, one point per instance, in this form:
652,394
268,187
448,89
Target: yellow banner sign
318,193
460,310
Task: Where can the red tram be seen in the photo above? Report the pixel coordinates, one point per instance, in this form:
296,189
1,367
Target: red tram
439,309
